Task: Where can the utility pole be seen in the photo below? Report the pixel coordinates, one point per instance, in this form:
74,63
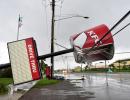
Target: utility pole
52,36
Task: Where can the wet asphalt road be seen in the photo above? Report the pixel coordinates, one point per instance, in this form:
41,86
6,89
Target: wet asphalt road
94,87
116,87
61,91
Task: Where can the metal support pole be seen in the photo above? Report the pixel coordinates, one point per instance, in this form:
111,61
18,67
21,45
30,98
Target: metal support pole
119,65
18,33
106,73
81,68
55,54
19,22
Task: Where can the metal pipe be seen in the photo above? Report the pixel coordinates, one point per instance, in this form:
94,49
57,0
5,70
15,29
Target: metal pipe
106,73
55,54
2,66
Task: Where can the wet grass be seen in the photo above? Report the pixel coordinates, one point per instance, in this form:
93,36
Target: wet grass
45,82
4,82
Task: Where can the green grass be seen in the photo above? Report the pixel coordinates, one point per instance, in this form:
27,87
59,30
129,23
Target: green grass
4,82
45,82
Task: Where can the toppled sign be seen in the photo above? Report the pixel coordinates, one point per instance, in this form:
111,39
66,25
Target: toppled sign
24,63
83,43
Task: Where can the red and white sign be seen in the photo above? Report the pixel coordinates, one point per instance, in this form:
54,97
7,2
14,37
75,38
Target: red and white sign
84,41
24,61
48,72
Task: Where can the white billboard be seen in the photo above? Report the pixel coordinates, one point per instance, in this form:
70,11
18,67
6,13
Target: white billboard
24,63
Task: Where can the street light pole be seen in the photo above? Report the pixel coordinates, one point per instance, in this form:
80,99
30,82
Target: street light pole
52,36
85,17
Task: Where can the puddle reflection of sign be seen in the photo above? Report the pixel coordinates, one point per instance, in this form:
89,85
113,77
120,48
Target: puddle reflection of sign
84,41
24,63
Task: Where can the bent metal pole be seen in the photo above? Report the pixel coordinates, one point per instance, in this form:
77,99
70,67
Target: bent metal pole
2,66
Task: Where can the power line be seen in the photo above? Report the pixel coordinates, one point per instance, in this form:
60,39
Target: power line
58,23
46,18
118,32
58,30
61,45
105,41
63,58
110,30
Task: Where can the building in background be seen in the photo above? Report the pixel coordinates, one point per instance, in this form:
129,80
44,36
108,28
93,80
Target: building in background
120,64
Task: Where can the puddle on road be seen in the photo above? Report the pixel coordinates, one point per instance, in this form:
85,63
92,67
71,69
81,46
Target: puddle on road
118,84
97,81
75,82
64,93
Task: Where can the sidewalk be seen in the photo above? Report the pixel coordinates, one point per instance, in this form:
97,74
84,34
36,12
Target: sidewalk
14,96
61,91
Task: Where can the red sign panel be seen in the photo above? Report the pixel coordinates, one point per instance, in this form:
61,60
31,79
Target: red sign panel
84,41
32,58
48,72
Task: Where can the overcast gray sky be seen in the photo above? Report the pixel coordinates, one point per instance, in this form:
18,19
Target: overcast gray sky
36,23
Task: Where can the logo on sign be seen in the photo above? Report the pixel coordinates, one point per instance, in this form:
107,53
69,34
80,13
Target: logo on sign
94,36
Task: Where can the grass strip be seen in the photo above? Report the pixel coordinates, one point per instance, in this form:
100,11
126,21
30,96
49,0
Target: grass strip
4,82
44,82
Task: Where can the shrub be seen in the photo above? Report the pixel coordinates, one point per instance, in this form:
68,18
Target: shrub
3,89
